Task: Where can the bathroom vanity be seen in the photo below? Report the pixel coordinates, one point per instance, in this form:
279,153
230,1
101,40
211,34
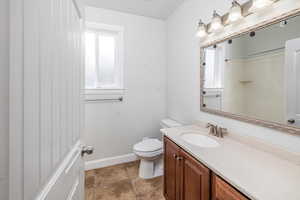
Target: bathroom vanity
235,169
187,179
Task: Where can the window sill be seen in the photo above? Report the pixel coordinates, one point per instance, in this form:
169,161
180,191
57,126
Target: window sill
104,91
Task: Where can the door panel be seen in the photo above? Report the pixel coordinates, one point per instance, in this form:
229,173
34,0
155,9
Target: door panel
293,81
195,179
170,168
50,111
67,178
223,191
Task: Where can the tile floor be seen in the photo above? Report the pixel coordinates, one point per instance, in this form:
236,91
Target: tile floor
121,182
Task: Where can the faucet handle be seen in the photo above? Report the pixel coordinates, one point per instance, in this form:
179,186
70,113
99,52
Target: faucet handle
208,125
211,128
222,131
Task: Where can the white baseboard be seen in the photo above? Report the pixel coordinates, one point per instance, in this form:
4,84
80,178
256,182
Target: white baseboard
106,162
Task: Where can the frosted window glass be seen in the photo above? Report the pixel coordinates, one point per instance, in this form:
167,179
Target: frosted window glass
209,68
214,68
107,62
103,63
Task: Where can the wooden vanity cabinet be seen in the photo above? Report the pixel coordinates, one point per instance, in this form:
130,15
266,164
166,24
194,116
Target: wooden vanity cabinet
171,170
187,179
195,179
223,191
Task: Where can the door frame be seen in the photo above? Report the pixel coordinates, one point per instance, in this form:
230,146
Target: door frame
17,11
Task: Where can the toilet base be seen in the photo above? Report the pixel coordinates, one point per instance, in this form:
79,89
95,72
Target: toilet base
151,168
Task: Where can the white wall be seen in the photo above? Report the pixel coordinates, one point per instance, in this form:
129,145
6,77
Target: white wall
234,91
183,72
4,70
113,128
264,95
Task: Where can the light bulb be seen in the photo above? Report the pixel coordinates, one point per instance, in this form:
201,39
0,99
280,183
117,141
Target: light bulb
216,22
259,4
235,12
201,31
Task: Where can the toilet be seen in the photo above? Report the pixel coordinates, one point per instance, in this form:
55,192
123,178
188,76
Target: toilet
150,151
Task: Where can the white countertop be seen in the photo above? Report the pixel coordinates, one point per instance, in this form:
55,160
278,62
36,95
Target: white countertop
256,173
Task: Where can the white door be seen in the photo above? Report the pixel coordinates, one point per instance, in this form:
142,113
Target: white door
46,78
293,81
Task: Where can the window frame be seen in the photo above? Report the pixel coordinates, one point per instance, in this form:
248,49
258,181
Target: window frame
119,30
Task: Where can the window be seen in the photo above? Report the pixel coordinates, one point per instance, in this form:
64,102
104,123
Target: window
103,57
214,70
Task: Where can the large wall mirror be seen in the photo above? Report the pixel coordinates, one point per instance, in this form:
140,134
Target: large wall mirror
255,76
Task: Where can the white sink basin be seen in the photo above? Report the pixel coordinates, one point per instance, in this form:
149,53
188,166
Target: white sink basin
199,140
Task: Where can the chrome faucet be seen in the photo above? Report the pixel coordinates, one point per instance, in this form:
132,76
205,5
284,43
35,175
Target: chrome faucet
212,129
216,131
221,132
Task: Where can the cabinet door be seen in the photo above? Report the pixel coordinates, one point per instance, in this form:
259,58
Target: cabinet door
170,168
223,191
195,179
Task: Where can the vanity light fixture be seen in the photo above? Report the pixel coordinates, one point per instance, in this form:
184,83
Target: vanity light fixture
260,4
216,23
201,31
235,12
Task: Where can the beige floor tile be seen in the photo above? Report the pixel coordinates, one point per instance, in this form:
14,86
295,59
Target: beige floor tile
132,170
89,193
157,195
121,190
121,182
146,186
89,182
89,173
110,175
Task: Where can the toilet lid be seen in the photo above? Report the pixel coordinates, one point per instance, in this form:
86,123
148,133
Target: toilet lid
148,145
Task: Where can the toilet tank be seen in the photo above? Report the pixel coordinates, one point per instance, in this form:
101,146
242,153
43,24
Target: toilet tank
169,123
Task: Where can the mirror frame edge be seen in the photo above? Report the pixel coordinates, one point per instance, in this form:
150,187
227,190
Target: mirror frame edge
264,123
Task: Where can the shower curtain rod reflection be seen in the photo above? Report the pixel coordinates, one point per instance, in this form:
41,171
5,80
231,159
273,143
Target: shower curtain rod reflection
265,52
257,54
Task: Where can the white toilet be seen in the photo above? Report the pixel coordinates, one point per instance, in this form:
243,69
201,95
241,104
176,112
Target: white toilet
150,152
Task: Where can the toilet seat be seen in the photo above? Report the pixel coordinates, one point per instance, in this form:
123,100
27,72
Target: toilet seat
148,148
149,154
148,145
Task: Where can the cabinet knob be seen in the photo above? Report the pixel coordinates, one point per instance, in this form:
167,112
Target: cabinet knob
174,156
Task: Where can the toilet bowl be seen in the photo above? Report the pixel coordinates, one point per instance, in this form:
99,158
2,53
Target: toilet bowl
150,151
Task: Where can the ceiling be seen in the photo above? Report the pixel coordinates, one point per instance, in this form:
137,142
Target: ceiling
160,9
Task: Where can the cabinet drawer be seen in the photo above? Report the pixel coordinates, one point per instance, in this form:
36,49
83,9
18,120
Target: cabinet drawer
223,191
